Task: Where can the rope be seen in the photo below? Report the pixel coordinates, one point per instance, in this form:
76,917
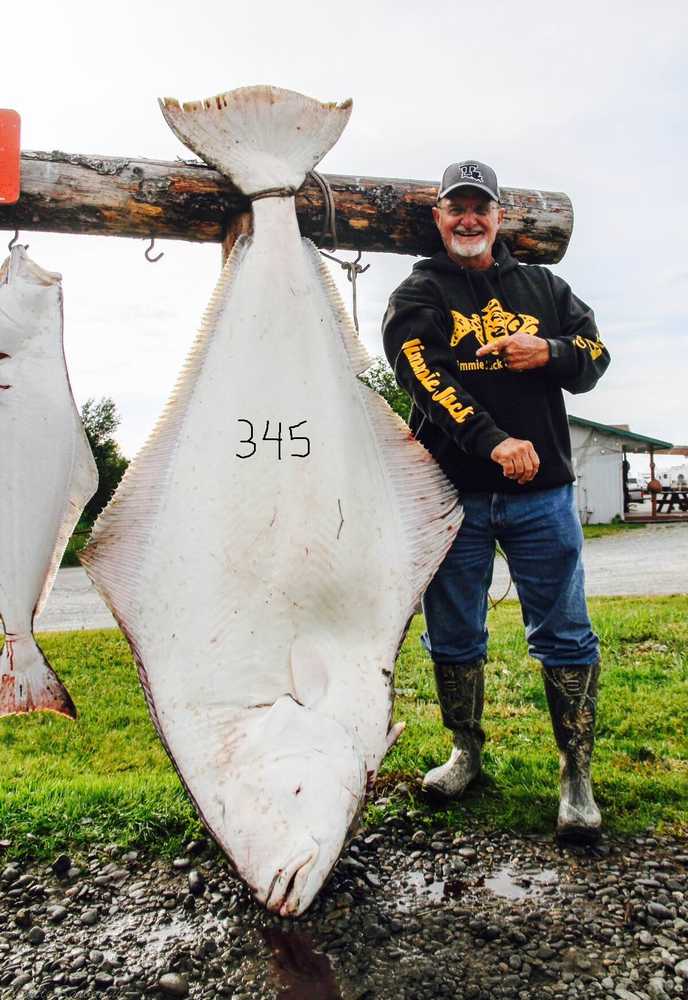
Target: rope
493,603
352,267
278,192
330,217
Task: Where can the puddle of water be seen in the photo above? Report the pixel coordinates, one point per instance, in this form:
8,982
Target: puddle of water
151,940
158,936
514,885
430,892
297,969
504,882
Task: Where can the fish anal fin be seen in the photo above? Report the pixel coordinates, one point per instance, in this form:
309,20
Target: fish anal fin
27,681
359,358
426,502
84,484
309,671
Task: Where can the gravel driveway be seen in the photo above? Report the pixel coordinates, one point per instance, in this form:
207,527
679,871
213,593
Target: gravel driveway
406,916
650,560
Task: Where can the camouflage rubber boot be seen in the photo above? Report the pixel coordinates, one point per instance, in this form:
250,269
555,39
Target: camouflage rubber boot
572,699
460,689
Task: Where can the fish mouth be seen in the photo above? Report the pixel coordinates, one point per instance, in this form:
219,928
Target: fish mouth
286,889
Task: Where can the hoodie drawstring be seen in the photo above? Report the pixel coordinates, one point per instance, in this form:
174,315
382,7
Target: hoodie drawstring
502,293
471,287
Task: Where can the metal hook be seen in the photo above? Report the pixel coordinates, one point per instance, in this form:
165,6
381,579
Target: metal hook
14,239
352,267
153,260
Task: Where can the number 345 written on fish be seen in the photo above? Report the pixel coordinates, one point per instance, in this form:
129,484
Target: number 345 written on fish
300,443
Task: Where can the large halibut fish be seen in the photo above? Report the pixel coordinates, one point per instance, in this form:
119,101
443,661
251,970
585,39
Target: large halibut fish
48,475
267,547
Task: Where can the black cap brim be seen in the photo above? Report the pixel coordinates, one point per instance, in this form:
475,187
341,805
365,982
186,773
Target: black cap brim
471,184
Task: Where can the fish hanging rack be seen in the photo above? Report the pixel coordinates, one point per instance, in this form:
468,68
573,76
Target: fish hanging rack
353,268
82,194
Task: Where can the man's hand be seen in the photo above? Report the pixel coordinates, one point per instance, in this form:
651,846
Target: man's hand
519,352
518,459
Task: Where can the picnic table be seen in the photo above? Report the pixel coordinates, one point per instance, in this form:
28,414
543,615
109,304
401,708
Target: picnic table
669,499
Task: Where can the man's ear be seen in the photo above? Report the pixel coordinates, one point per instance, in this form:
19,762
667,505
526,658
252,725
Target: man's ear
436,215
500,215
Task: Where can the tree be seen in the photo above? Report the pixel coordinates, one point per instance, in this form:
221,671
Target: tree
101,420
380,377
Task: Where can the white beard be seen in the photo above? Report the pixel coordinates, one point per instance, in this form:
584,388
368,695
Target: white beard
461,249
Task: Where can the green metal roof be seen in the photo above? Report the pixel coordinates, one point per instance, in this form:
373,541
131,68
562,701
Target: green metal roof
619,433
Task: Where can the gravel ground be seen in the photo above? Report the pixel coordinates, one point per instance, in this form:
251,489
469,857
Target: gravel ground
408,915
650,560
74,604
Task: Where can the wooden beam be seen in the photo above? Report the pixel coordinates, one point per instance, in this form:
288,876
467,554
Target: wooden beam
185,200
238,225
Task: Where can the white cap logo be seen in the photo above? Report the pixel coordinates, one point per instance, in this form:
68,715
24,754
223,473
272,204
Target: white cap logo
470,171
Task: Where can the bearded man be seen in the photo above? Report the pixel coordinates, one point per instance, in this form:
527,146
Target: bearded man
484,346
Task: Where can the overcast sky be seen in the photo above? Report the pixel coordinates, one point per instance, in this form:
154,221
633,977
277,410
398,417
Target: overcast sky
589,100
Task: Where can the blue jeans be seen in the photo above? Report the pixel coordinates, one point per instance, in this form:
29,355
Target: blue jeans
542,538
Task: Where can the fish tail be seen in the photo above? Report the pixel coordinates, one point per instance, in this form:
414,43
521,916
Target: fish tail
262,138
27,681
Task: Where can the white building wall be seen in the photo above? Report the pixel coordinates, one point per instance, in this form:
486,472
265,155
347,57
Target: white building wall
597,463
675,475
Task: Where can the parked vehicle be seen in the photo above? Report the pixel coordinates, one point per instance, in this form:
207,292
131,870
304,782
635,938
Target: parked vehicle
635,490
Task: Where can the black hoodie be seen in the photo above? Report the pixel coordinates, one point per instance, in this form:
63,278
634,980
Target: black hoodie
464,406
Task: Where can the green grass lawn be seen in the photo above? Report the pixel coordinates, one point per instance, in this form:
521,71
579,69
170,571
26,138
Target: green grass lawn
106,777
75,544
612,528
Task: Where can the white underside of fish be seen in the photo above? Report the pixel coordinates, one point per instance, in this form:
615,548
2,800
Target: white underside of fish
265,586
48,475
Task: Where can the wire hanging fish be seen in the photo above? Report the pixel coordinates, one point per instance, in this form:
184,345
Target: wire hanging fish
48,475
267,547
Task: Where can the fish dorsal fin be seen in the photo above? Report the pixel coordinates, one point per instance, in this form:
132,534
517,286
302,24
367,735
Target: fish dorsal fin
426,501
114,555
309,671
358,355
260,137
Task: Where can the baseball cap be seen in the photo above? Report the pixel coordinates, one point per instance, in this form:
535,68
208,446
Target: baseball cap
469,173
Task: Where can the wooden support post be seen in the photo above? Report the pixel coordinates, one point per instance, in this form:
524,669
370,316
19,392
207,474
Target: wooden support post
624,481
239,225
652,476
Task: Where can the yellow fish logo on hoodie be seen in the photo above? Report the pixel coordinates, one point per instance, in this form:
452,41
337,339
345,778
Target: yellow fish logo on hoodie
494,322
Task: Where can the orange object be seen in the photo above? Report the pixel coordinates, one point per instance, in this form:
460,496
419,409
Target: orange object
9,157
